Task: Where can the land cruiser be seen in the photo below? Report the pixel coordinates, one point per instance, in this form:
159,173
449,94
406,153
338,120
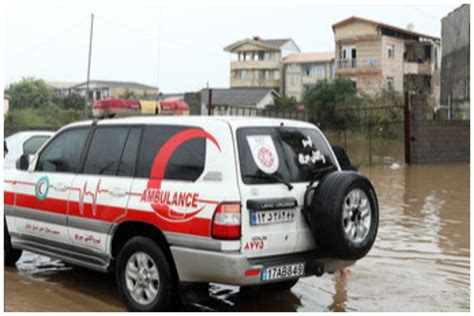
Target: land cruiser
163,200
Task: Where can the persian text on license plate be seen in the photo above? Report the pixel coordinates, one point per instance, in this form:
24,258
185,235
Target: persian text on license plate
283,271
270,217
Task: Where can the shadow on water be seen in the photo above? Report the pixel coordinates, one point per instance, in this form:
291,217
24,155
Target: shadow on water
420,262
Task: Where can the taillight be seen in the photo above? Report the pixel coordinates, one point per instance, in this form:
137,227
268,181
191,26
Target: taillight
226,221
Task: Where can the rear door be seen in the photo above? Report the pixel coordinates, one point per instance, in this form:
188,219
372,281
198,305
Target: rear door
276,165
99,194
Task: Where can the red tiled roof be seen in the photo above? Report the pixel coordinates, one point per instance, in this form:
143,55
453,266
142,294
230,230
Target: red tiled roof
380,24
309,57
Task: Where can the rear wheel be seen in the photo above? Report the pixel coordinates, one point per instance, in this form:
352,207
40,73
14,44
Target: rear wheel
344,215
11,255
144,277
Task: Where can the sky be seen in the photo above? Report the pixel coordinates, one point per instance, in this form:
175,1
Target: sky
177,46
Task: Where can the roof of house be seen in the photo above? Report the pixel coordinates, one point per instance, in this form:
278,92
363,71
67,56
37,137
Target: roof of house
382,25
60,84
275,43
309,57
236,96
116,84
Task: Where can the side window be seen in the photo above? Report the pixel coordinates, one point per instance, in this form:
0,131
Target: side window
31,146
105,150
129,156
64,152
187,161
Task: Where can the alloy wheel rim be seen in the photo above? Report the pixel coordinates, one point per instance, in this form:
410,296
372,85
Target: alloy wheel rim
356,216
142,278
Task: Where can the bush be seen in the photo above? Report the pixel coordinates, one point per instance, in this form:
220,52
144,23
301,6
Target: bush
285,103
29,93
46,116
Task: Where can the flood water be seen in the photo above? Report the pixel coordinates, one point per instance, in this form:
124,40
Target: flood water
420,261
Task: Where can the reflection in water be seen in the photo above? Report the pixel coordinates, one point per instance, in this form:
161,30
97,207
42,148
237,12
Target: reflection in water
420,261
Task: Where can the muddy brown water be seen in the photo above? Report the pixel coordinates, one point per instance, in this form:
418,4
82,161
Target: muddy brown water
420,261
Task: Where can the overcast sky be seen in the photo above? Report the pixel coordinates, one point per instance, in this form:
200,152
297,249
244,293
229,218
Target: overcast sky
177,46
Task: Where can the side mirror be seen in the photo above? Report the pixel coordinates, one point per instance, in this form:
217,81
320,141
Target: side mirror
343,158
23,162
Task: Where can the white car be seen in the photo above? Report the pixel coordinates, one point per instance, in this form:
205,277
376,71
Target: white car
27,142
159,200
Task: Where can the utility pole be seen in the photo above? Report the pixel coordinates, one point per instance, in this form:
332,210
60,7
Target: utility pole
89,64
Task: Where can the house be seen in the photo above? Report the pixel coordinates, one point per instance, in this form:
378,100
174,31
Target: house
257,62
455,61
379,56
303,71
60,88
6,103
106,89
237,100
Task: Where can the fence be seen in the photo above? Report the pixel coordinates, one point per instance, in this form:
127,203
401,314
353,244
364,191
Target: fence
267,112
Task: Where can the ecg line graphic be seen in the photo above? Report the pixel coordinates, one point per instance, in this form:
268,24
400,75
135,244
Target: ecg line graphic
94,194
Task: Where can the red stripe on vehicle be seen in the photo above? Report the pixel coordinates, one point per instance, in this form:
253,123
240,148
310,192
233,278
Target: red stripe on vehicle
195,226
8,198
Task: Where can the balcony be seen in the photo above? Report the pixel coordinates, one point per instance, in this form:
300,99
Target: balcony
255,64
358,66
417,68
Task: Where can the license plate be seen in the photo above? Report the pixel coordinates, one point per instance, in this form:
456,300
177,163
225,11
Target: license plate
271,217
283,272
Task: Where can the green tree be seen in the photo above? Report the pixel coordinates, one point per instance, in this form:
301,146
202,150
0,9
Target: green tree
29,93
285,103
128,94
74,101
329,102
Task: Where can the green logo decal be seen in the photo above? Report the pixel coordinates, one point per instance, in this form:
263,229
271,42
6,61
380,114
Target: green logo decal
42,188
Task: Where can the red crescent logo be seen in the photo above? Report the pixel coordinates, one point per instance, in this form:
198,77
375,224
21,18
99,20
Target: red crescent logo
159,167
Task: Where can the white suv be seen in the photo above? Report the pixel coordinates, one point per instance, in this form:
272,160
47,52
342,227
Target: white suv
160,200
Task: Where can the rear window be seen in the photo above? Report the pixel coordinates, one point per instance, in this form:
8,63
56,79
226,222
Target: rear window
292,154
31,146
186,162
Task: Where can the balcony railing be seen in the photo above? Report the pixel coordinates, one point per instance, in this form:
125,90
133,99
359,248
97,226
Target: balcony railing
359,63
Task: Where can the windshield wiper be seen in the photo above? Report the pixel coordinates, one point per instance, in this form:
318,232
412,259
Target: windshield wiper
270,177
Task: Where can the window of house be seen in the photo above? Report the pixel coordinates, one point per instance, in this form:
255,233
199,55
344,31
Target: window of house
372,62
267,74
294,80
390,83
105,150
276,56
391,51
293,66
64,152
258,75
243,74
276,75
187,161
261,55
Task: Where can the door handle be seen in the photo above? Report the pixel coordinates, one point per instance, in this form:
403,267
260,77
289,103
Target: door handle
60,187
118,192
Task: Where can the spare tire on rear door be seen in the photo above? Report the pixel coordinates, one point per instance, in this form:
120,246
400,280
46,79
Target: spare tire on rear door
343,215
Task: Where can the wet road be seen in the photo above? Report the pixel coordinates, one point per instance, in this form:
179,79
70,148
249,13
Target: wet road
420,261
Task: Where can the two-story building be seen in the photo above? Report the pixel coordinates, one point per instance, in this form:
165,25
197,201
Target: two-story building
380,56
257,62
303,71
106,89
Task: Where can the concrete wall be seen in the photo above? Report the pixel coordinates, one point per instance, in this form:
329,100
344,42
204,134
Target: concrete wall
455,65
436,141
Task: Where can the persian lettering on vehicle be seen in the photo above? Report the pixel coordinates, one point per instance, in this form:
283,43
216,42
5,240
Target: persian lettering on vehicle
168,203
257,243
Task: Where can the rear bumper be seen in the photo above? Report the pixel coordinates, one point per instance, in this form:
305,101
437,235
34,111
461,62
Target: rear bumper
196,265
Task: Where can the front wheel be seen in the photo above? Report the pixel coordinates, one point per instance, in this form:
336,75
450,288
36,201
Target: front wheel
144,277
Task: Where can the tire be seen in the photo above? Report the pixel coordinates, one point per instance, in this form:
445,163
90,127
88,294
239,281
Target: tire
271,287
344,215
11,255
139,255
